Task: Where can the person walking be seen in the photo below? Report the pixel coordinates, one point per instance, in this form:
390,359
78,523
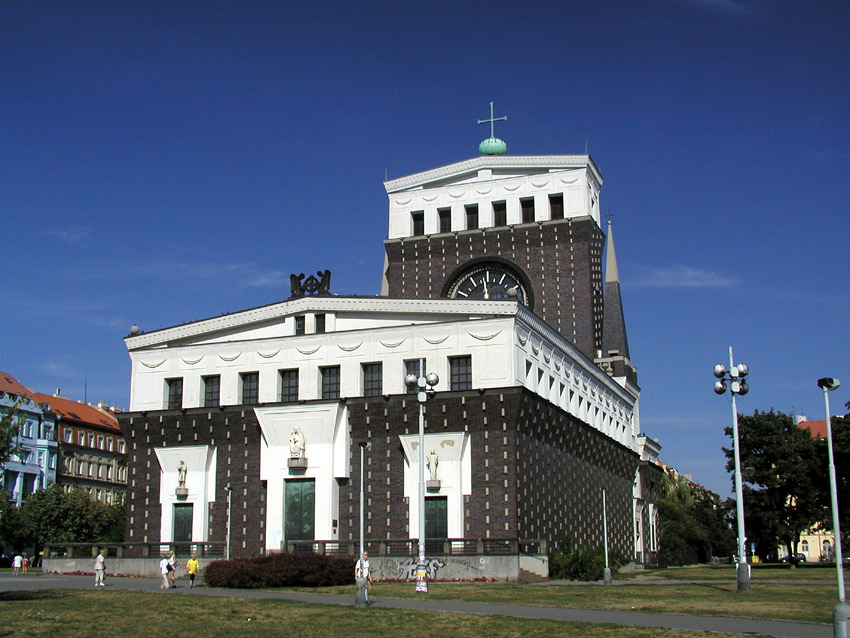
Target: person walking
163,569
361,570
172,568
99,568
192,568
16,564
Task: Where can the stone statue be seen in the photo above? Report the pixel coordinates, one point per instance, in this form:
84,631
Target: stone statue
432,463
296,444
181,474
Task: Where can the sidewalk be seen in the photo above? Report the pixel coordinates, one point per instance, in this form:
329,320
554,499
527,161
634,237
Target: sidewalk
725,624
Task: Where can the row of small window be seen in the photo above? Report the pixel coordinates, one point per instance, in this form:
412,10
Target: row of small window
101,471
102,495
460,378
28,457
33,429
500,215
319,324
101,441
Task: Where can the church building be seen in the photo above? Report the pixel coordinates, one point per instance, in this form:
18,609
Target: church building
247,430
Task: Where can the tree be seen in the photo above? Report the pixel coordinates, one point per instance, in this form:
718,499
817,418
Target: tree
782,476
692,521
56,516
10,423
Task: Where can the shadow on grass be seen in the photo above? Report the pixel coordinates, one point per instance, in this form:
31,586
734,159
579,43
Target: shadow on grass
41,594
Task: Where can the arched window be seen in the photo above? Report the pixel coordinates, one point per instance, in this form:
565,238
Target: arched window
805,547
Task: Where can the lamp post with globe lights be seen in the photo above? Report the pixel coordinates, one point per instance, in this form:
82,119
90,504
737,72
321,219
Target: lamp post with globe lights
841,611
424,383
737,384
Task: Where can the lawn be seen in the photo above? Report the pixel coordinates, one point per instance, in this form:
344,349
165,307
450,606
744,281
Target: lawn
124,614
782,601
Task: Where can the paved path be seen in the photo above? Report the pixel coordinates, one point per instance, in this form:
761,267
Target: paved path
724,624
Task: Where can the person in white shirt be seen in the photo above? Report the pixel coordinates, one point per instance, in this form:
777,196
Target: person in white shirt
99,569
163,568
361,570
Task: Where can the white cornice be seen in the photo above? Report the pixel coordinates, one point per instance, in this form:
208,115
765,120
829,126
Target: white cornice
495,162
271,312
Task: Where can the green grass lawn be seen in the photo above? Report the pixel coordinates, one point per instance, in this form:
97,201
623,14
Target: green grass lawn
769,571
786,601
123,614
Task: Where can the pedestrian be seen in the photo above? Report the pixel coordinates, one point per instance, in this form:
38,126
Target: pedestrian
163,569
16,564
192,567
99,568
24,563
361,570
172,571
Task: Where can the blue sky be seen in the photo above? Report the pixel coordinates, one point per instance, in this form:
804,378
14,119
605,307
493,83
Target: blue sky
168,161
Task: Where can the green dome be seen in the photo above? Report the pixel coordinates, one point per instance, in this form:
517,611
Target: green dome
492,146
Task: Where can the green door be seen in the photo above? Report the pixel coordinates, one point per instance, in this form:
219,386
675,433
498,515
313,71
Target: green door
300,511
436,523
183,527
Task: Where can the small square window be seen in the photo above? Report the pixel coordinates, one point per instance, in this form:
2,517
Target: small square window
212,391
330,382
373,379
417,219
299,325
250,387
556,206
175,394
527,207
320,323
500,214
460,370
471,216
289,385
445,216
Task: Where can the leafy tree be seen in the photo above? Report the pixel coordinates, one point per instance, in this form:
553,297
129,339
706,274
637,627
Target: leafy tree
10,423
782,476
56,516
692,523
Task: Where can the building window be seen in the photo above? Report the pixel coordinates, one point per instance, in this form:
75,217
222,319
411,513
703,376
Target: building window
122,446
81,438
69,435
460,373
212,391
471,216
330,382
556,206
299,325
445,216
250,387
175,394
91,439
288,385
414,366
527,207
320,323
110,444
417,218
500,214
100,441
373,379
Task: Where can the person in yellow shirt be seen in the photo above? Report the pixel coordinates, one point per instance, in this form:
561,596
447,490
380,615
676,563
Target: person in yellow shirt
192,568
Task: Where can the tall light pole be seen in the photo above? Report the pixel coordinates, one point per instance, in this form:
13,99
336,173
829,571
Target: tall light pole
364,445
737,385
229,502
424,383
841,612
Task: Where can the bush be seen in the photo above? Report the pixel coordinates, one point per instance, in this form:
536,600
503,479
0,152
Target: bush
585,564
280,570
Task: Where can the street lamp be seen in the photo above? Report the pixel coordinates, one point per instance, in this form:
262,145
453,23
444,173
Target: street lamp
737,385
229,502
364,445
841,612
424,383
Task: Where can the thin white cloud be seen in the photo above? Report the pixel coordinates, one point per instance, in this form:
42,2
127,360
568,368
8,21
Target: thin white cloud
72,235
680,277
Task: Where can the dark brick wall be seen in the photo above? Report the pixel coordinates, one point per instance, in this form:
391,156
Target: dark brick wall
235,433
562,258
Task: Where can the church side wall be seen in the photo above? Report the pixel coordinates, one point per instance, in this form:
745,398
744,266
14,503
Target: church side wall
563,465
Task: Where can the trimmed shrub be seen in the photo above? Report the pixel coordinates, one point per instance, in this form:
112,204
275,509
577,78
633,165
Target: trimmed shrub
582,563
280,570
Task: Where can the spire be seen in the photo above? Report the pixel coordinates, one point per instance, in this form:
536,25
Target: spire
493,145
613,322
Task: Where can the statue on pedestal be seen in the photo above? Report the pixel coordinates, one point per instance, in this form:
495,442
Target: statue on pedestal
432,463
181,474
296,444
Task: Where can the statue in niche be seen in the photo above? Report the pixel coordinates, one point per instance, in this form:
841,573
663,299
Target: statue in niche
432,462
296,444
181,474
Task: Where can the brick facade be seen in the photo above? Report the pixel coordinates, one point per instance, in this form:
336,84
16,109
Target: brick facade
562,259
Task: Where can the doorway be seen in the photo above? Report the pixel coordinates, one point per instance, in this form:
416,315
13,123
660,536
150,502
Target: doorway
300,512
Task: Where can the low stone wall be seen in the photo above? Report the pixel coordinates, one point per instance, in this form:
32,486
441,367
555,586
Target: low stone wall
120,566
509,568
